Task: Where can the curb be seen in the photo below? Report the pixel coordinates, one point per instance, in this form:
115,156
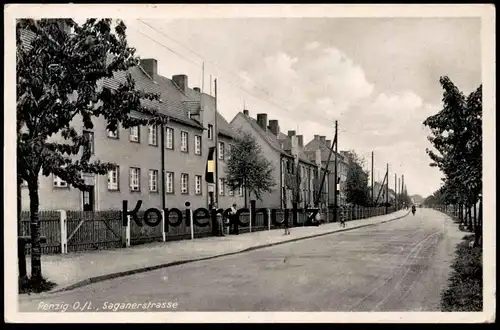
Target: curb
106,277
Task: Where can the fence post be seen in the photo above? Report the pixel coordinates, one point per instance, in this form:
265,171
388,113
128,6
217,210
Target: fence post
64,231
191,224
163,233
127,232
268,219
250,221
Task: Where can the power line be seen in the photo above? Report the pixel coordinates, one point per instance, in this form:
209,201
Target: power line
222,69
167,36
168,48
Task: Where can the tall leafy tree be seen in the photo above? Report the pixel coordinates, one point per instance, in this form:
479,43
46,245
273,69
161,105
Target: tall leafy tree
356,186
247,168
456,134
60,69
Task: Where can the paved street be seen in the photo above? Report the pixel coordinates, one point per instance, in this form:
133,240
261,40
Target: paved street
400,265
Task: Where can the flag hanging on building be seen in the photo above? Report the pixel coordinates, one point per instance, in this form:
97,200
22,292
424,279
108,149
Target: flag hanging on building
210,169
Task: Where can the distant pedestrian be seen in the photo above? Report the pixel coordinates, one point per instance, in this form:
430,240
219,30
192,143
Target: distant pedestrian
234,220
219,224
319,217
342,216
287,229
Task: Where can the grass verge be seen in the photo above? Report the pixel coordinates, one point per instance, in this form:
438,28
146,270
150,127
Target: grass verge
27,285
465,286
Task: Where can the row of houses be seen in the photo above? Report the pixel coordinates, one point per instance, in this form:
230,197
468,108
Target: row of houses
165,166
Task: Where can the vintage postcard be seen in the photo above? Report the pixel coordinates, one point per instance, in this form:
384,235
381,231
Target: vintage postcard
249,163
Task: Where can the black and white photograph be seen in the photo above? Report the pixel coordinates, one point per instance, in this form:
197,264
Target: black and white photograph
263,163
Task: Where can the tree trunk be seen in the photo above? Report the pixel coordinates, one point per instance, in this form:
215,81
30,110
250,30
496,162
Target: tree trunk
469,215
245,192
479,230
461,213
475,215
21,253
36,263
19,209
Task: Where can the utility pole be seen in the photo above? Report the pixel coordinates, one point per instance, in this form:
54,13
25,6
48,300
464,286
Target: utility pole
318,196
336,174
387,190
401,191
203,77
216,139
373,191
399,187
395,192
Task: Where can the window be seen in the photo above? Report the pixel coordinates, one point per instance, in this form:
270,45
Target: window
114,179
135,179
240,191
197,145
170,138
134,134
221,187
229,150
90,138
198,184
184,141
184,183
153,180
60,183
210,132
152,135
113,134
169,177
221,150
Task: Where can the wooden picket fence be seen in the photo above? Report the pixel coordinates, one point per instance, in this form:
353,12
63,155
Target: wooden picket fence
74,231
49,227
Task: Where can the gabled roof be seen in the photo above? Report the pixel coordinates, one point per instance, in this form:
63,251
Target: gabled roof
286,142
314,144
281,143
222,125
171,99
27,38
267,136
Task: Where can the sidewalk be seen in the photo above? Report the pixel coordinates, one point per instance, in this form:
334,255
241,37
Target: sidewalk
73,270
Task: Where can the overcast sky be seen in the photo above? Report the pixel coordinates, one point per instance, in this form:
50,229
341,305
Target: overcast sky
378,77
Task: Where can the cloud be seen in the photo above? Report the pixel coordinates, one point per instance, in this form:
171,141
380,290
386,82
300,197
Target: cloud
312,45
319,87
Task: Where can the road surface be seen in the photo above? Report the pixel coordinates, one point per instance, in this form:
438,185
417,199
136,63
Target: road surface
402,265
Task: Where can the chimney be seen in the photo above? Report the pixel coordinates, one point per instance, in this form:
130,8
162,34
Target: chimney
196,89
322,138
301,140
291,133
150,65
262,120
274,127
329,143
245,112
181,80
316,137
